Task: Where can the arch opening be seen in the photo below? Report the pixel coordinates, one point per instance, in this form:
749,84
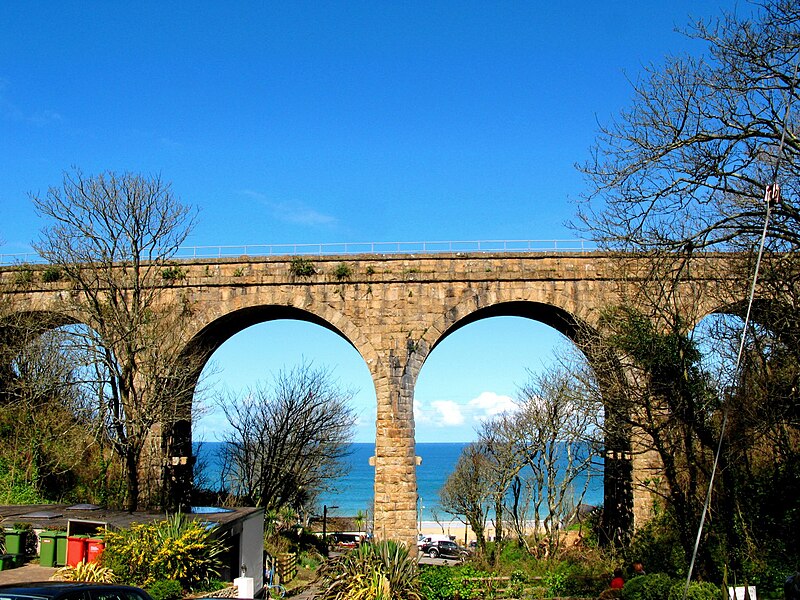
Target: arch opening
247,351
475,372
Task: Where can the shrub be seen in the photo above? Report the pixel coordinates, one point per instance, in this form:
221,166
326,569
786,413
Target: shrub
383,570
177,548
701,590
212,585
302,267
173,273
23,276
342,271
657,543
586,578
436,583
555,582
88,572
51,274
446,583
655,586
516,584
165,589
17,484
309,560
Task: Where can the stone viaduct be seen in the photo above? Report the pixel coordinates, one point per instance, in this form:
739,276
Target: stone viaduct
394,309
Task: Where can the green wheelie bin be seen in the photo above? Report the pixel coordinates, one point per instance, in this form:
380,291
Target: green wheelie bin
61,548
15,541
47,548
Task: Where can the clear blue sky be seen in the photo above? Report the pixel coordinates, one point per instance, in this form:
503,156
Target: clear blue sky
294,122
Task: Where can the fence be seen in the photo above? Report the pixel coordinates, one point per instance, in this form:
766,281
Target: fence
235,251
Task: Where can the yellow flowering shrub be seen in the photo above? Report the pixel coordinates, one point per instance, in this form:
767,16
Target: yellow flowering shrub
177,548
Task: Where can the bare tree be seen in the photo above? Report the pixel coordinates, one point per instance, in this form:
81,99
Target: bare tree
689,161
467,490
497,440
287,442
686,168
555,430
111,236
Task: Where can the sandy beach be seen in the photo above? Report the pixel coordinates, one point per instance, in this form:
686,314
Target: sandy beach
453,527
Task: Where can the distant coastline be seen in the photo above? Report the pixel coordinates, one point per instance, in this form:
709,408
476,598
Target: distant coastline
355,491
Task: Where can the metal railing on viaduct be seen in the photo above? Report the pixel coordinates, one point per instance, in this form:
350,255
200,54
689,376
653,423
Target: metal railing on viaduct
234,251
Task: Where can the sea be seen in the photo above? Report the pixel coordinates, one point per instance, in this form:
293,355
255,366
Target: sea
354,491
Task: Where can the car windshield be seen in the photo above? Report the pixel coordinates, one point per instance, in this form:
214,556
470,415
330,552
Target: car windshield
4,596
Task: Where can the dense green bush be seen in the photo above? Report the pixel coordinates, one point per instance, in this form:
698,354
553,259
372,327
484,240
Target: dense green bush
656,543
342,271
165,589
51,274
701,590
584,575
302,267
173,273
655,586
446,583
177,548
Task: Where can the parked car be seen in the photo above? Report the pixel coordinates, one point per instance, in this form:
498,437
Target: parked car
444,549
63,590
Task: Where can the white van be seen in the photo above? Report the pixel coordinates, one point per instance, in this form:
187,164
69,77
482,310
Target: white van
435,537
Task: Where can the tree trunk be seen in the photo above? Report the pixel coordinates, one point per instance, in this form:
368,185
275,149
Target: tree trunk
132,478
498,519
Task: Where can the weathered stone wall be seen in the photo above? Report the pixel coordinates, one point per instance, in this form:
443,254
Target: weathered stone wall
394,309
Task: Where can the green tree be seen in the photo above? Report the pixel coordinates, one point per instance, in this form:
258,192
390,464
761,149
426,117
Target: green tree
684,170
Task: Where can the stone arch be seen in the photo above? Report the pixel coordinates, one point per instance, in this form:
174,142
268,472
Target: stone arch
217,329
618,477
762,307
37,321
207,339
21,327
474,308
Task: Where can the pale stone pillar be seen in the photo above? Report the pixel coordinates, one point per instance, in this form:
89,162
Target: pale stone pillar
647,470
395,455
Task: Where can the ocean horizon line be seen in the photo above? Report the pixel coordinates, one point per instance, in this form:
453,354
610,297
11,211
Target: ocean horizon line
354,492
361,443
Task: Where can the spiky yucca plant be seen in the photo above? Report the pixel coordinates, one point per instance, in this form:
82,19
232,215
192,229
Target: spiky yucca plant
381,571
83,571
